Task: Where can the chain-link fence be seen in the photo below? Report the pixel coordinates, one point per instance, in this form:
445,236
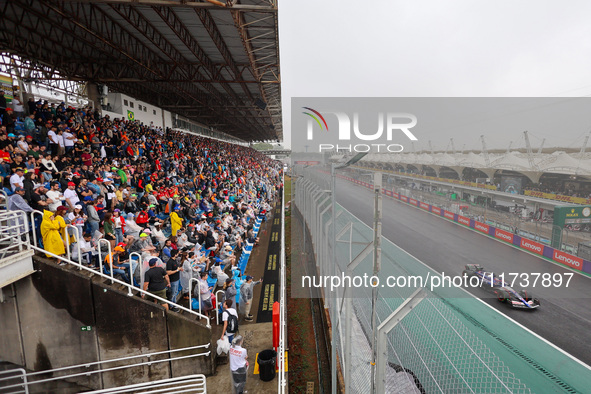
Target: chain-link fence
437,346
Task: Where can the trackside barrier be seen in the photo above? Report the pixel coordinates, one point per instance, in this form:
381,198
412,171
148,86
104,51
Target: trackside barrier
85,368
519,241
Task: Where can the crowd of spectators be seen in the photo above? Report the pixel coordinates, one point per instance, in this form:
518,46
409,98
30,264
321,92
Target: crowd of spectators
185,203
561,189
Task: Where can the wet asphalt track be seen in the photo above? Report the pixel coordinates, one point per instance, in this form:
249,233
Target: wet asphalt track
564,317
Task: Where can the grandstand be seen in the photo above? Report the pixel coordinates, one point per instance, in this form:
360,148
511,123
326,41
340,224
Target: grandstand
130,212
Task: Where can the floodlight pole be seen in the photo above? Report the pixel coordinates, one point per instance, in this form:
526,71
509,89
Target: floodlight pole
377,262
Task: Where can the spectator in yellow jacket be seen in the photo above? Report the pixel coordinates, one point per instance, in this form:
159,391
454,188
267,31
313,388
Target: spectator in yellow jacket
52,227
175,220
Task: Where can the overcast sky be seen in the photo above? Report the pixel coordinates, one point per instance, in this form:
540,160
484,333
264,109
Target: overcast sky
394,48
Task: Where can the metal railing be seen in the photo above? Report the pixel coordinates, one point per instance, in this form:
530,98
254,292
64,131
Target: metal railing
3,200
14,234
120,282
198,299
18,374
100,254
26,381
186,384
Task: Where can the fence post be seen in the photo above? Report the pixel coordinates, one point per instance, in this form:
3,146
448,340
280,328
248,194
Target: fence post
101,258
77,244
131,271
388,325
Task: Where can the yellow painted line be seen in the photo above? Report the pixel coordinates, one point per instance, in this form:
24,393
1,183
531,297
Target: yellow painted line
277,220
275,236
266,298
272,264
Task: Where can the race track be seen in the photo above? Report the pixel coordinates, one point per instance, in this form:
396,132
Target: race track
563,319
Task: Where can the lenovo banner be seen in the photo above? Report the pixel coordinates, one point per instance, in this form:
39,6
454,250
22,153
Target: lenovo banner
568,259
485,228
464,220
532,246
503,235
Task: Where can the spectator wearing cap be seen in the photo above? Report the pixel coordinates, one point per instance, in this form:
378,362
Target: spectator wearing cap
16,179
52,226
111,197
156,281
77,218
113,263
71,196
17,201
246,296
175,220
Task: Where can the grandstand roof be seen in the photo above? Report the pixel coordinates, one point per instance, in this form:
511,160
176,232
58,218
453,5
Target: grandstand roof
212,62
557,162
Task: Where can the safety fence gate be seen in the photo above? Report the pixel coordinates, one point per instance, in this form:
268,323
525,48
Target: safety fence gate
440,341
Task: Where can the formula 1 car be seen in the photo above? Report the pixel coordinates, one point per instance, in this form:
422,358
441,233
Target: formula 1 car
505,294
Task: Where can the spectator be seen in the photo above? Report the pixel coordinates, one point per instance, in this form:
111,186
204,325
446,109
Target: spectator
246,296
117,267
17,201
238,364
175,220
230,319
173,269
71,196
156,281
204,293
17,179
51,230
230,291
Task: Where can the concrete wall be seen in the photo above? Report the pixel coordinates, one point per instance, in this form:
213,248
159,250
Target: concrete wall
49,309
